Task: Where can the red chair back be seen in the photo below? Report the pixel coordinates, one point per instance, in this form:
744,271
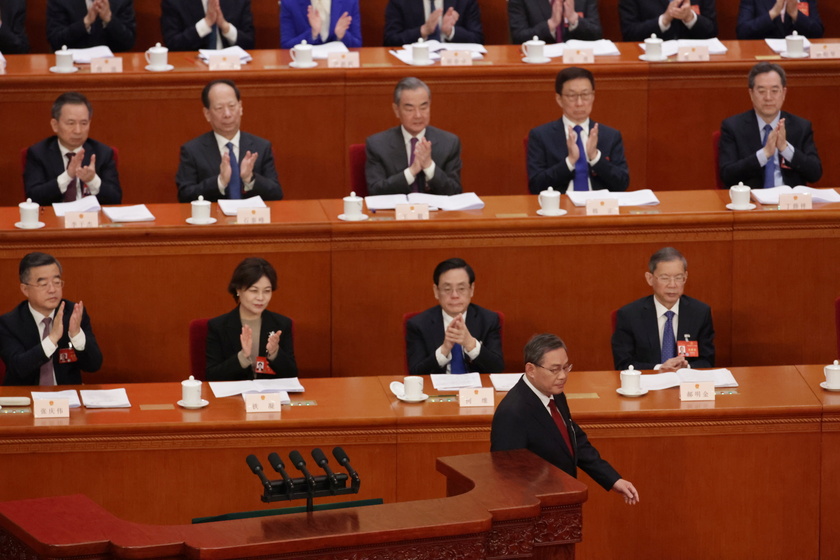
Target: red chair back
716,148
198,348
358,159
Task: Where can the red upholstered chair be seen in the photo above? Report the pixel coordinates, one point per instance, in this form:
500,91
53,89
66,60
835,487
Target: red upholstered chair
716,148
837,323
358,158
198,347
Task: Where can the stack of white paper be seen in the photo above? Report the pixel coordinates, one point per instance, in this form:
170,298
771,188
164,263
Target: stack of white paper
235,50
464,201
504,381
406,56
69,394
436,46
322,52
86,204
447,382
771,196
780,46
670,48
721,378
601,47
643,197
110,398
229,207
84,56
223,389
136,213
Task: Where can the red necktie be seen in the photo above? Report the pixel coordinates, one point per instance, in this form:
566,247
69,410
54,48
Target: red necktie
561,425
70,193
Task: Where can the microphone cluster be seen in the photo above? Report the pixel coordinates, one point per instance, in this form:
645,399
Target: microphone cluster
307,486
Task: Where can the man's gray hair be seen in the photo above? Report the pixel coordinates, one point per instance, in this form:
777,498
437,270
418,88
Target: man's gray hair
409,84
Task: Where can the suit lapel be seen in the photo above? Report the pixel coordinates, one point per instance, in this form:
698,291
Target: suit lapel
542,417
651,327
211,153
435,326
544,7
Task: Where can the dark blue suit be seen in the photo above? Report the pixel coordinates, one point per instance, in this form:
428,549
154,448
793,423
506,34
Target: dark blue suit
636,337
528,18
522,422
13,39
44,164
754,21
65,25
640,18
21,350
740,139
294,25
403,19
178,19
547,154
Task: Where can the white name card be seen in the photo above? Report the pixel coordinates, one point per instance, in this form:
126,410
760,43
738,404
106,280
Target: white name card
476,397
261,402
343,60
74,220
112,64
795,201
224,62
825,50
253,215
456,58
601,206
702,391
578,56
693,54
51,408
412,211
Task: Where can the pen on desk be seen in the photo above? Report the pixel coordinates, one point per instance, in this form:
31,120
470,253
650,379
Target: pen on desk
442,396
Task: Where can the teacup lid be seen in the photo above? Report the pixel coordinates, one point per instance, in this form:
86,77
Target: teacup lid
653,39
535,41
550,192
62,50
201,201
303,45
28,203
630,369
794,35
352,196
740,186
191,381
835,365
420,43
158,48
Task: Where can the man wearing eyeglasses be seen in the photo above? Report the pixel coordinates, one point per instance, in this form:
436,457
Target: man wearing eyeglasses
767,147
534,415
456,336
46,340
668,330
575,152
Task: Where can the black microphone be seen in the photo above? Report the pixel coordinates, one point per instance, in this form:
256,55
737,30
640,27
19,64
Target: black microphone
300,464
256,468
321,461
344,461
277,465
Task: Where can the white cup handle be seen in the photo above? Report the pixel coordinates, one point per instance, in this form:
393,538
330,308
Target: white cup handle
148,57
524,49
292,54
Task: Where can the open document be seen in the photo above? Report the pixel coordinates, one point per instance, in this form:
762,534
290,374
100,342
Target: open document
720,377
223,389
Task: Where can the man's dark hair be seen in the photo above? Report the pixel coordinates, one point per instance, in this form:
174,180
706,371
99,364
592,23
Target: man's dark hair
452,264
205,93
539,345
572,73
248,273
34,260
70,98
763,68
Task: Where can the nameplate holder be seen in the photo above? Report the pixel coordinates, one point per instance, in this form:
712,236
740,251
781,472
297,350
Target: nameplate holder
456,58
343,60
253,215
476,397
702,391
107,65
825,50
73,220
693,54
261,402
601,206
51,408
224,62
578,56
407,211
795,201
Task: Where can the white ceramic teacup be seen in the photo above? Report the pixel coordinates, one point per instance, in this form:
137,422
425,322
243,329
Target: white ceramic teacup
549,201
420,52
302,53
157,56
200,210
191,391
631,381
533,49
740,195
413,387
353,205
832,375
28,213
795,44
653,48
63,59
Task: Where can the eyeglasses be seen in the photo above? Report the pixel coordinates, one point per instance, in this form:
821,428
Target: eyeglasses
460,290
772,92
44,284
558,370
585,96
678,279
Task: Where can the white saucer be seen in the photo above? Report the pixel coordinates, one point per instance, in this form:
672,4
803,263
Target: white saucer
827,388
749,206
360,218
788,55
164,68
197,223
426,63
530,60
560,212
58,70
621,392
646,59
36,225
421,398
294,64
193,406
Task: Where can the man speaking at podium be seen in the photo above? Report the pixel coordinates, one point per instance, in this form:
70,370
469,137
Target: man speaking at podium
534,415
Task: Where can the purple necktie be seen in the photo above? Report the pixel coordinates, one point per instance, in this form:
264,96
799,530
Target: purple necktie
415,187
47,373
70,193
581,181
669,341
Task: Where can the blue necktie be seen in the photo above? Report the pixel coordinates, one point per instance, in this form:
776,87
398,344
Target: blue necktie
435,36
235,185
770,166
669,342
210,40
581,182
457,364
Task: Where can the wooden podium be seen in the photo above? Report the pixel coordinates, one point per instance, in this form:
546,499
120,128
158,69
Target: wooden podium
500,505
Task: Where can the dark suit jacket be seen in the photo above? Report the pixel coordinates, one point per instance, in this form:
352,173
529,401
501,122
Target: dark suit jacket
44,164
424,334
528,18
403,19
636,337
740,139
198,171
65,26
640,18
387,160
20,348
522,422
223,346
294,24
547,153
13,38
754,21
178,19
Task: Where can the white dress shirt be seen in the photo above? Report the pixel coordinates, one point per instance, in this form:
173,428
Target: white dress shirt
447,360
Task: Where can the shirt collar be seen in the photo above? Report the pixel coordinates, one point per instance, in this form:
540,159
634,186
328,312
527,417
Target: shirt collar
567,123
37,314
407,136
545,399
222,141
772,123
661,309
